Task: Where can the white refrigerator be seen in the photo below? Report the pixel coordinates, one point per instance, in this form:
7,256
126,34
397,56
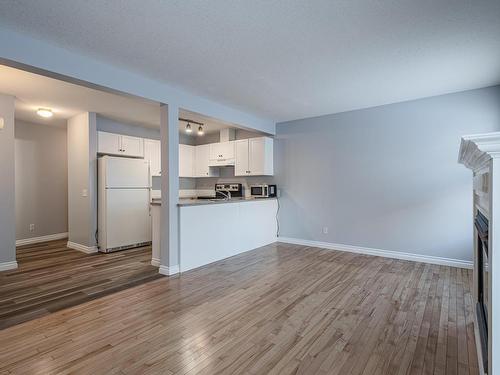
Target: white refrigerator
123,203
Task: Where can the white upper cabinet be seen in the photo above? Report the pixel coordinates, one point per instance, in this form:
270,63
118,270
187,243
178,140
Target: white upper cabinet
202,165
116,144
108,143
241,158
152,153
186,161
132,146
222,153
254,157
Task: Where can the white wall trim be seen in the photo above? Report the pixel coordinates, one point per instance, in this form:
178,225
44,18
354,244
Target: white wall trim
381,253
5,266
166,270
82,248
155,262
50,237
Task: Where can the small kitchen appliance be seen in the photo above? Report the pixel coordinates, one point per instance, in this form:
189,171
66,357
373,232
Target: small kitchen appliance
263,191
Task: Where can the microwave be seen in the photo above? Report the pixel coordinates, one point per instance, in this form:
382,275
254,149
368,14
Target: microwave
263,191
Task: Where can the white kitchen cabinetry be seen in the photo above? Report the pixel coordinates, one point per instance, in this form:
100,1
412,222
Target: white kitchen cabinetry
241,158
116,144
186,161
254,157
221,154
152,153
132,146
202,164
247,225
108,143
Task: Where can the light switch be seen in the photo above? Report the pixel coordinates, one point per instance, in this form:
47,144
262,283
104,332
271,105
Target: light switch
2,123
84,193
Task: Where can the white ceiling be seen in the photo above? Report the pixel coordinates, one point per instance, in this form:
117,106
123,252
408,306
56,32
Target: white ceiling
33,91
283,59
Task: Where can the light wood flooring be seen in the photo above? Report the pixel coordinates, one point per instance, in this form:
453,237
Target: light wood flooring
281,309
52,277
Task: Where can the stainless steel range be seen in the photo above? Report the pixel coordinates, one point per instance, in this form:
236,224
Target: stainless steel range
229,190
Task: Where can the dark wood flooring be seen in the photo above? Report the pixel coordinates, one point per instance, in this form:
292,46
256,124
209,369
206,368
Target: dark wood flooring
281,309
52,277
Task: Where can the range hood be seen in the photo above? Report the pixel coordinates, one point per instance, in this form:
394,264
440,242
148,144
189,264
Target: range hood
222,154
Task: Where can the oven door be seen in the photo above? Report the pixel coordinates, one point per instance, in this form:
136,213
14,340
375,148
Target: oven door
258,191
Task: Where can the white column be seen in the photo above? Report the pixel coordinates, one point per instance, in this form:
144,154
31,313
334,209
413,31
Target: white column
494,279
7,185
169,131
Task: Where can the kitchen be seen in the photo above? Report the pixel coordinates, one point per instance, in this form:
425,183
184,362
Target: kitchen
226,195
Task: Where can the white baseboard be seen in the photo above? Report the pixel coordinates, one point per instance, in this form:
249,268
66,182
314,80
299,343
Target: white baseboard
50,237
381,253
155,262
5,266
166,270
82,248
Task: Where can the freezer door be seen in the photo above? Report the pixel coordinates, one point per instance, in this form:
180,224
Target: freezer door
127,217
126,173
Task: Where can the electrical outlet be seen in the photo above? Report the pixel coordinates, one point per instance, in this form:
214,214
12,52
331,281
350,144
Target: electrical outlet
325,230
32,227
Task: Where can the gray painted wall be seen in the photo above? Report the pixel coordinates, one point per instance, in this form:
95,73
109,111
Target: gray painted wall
41,179
385,177
82,167
108,125
7,186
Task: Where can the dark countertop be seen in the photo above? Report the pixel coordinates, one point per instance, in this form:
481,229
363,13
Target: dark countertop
186,202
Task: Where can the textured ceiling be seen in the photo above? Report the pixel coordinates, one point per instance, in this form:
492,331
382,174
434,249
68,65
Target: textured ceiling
282,59
33,91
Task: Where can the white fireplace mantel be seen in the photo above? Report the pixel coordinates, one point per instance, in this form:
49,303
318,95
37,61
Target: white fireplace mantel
481,154
476,150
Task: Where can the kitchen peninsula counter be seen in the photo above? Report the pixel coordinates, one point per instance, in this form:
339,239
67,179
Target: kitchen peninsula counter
212,230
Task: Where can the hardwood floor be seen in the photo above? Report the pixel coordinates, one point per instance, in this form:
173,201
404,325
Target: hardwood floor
281,309
52,277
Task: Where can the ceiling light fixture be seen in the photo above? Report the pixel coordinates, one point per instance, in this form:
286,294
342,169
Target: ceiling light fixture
44,112
188,128
200,130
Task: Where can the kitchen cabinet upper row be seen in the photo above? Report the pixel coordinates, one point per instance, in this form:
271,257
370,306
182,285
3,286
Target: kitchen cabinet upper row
250,157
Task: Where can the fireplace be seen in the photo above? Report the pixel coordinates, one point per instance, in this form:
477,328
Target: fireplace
482,226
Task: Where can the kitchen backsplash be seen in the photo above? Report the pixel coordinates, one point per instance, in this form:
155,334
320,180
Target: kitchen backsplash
190,187
227,175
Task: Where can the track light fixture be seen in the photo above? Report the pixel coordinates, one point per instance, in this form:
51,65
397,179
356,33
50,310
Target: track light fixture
189,126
